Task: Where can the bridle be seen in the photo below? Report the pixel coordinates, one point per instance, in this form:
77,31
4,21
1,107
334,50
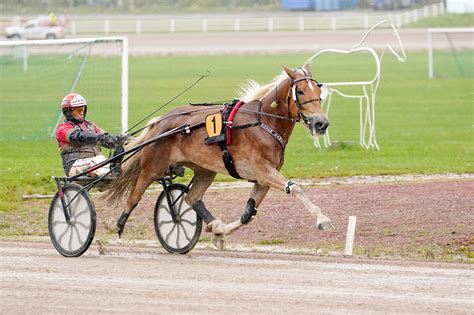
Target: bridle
294,92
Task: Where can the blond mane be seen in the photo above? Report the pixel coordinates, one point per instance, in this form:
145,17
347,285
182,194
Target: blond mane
253,91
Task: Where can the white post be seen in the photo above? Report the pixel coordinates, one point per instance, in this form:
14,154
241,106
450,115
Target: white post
270,24
106,26
435,10
415,15
333,23
430,55
73,28
350,236
204,25
301,19
172,26
366,22
425,11
124,100
407,17
139,26
399,21
441,8
237,25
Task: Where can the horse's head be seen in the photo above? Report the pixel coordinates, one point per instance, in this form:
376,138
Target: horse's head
304,100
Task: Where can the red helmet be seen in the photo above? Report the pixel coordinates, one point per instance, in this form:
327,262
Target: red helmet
73,100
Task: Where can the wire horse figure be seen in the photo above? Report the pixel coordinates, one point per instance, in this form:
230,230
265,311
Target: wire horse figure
367,136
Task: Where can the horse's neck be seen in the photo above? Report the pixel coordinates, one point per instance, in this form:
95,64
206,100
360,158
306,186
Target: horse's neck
283,126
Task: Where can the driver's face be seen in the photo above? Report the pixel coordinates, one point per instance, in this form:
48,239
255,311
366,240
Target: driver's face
78,112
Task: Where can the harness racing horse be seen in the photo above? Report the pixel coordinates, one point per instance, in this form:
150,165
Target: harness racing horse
257,151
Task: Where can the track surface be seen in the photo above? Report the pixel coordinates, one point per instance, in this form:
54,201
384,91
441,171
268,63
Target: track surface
36,279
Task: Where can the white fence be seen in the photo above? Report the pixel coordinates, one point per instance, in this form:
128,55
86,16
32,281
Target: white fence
246,24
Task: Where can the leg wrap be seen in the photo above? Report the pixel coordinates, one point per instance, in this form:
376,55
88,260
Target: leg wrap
289,186
201,210
249,211
122,220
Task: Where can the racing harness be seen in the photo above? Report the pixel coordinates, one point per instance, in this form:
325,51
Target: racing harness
219,126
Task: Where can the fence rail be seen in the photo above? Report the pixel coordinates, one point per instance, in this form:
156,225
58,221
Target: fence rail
144,25
246,24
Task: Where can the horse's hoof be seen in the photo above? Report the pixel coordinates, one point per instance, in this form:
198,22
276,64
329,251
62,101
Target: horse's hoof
219,241
119,230
326,226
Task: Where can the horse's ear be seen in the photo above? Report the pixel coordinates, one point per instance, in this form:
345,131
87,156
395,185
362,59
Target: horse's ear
308,69
290,73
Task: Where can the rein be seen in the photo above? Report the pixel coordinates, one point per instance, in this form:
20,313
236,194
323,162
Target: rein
167,103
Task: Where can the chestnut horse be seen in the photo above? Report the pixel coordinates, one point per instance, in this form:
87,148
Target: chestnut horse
257,151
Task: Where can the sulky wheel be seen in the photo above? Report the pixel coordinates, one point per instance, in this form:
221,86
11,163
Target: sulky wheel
179,234
74,238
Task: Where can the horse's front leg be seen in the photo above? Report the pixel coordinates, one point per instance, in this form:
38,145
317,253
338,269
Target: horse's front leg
256,196
274,179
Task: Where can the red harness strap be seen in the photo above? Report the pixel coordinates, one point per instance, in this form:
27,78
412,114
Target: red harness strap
230,120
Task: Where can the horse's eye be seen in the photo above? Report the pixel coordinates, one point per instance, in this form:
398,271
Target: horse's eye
300,92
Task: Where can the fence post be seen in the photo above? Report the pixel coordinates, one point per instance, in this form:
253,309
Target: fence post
425,11
435,10
139,26
172,26
366,22
333,23
301,20
204,25
415,15
270,24
73,28
399,21
106,26
237,25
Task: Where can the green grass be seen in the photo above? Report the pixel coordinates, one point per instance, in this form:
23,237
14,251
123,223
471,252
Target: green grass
446,20
422,126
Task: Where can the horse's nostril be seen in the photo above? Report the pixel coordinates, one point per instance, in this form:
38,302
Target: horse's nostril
321,126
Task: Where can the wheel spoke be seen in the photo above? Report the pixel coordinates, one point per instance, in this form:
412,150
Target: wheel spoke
83,225
165,222
186,211
184,231
189,222
166,209
177,235
58,222
169,234
64,233
70,238
181,203
82,212
78,235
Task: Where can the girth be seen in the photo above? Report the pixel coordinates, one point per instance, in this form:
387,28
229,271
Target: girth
225,137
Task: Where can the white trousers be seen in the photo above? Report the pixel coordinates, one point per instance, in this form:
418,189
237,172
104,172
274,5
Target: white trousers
83,164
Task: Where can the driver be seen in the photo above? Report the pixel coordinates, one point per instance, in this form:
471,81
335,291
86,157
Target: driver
80,140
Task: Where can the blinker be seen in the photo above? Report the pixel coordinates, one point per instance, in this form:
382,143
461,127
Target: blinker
324,91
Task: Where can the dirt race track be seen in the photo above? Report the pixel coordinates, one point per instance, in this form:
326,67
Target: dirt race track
36,279
125,278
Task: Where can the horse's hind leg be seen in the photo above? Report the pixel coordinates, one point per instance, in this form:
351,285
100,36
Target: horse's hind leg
202,180
135,196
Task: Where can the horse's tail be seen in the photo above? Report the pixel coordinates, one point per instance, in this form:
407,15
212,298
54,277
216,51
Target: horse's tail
131,169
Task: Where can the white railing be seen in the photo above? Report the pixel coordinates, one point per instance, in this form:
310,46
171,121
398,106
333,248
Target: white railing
246,24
